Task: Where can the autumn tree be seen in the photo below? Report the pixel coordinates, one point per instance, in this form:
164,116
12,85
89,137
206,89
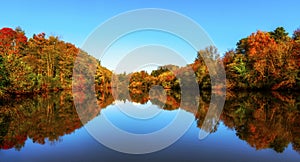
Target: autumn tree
12,42
296,35
137,80
55,60
39,64
12,49
208,57
273,65
263,60
103,77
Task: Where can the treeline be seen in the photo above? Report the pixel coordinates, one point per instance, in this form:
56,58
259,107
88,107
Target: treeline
174,77
261,61
36,64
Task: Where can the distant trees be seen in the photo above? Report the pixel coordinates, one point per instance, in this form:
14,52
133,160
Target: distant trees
263,60
138,80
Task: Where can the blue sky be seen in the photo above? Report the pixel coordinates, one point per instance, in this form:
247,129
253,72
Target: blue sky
226,21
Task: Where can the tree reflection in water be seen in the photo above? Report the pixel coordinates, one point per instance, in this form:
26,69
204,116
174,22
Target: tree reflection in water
263,120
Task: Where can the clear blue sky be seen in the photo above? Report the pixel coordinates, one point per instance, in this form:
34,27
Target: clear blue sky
226,21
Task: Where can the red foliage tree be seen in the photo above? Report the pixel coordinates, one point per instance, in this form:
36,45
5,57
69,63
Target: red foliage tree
12,41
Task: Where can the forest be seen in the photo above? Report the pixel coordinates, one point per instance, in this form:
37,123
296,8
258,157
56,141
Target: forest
261,61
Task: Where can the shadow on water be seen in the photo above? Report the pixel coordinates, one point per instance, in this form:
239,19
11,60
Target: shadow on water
263,120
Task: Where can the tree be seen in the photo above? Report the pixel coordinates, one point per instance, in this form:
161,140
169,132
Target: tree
137,80
280,35
168,80
261,46
18,73
242,46
264,60
210,53
236,71
12,41
209,57
296,35
159,71
52,61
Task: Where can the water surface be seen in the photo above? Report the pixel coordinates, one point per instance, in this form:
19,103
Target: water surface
253,127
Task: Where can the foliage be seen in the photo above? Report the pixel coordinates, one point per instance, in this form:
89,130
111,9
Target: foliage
296,35
264,60
3,76
40,64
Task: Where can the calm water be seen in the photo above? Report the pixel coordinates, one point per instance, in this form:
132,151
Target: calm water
253,127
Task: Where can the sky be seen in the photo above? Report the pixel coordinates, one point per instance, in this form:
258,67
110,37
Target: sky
225,21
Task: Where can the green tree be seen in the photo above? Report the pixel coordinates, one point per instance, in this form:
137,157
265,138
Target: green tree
242,46
279,35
